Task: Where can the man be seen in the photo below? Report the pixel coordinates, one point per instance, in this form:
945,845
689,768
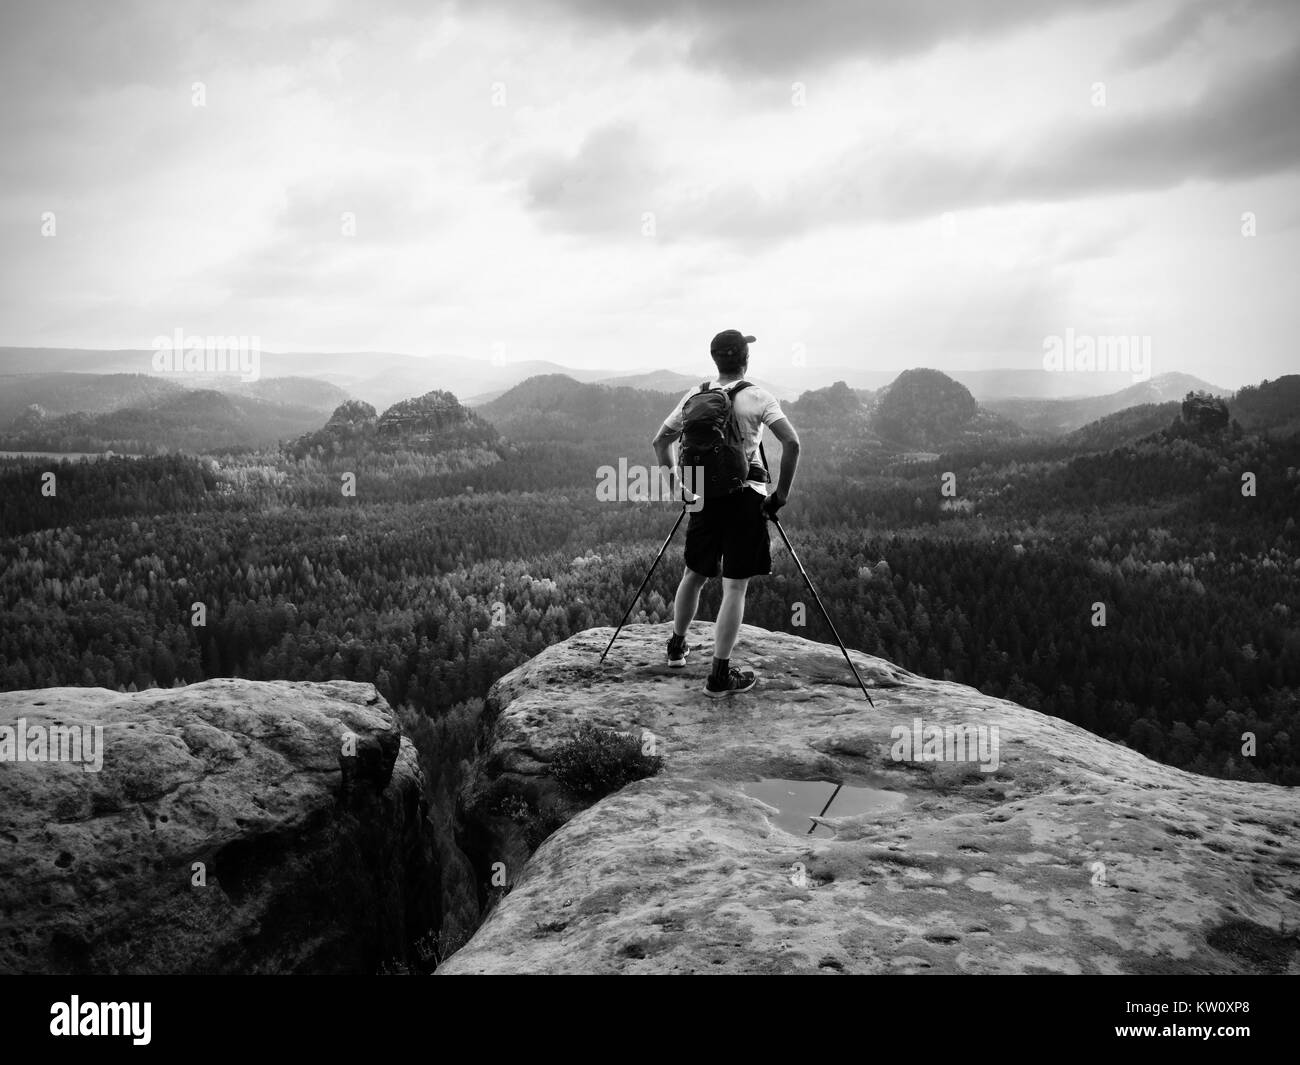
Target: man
731,527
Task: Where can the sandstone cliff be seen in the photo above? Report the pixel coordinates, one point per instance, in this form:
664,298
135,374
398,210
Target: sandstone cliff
318,854
1075,856
316,850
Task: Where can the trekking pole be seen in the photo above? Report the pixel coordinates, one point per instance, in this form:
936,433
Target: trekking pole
628,613
776,521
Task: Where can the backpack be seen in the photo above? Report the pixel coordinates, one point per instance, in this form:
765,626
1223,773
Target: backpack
712,443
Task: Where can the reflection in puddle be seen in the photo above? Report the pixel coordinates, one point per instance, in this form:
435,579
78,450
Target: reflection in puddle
798,801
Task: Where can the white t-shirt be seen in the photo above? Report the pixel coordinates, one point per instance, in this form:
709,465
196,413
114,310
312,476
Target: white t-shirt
755,407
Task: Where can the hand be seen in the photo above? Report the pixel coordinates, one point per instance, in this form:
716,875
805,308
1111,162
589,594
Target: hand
772,504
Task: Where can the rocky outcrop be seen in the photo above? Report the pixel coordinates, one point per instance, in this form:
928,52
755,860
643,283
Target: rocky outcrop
1073,855
434,421
432,424
353,416
349,431
233,827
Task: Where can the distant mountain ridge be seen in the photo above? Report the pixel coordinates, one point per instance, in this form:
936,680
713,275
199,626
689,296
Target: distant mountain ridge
920,410
379,378
383,378
1054,417
294,391
195,421
64,393
985,385
556,408
676,382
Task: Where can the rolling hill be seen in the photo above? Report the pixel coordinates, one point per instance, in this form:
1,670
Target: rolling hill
1123,427
920,410
1054,417
69,393
193,422
1271,407
832,423
985,385
677,382
926,410
380,378
556,408
306,392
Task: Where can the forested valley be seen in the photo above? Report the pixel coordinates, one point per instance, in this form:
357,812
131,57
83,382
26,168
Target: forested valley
439,572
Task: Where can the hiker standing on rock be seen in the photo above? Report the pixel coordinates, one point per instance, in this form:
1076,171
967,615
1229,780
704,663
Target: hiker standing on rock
720,426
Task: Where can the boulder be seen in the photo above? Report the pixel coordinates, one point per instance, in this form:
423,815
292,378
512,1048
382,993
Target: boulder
233,827
1065,854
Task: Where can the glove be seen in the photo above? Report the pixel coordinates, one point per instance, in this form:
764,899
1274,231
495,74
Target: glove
772,504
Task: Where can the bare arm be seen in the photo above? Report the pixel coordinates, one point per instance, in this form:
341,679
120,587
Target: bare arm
663,445
785,433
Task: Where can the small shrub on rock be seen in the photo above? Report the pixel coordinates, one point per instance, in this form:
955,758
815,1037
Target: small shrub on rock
598,761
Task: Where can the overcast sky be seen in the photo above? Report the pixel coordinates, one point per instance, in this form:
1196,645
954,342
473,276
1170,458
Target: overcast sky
606,183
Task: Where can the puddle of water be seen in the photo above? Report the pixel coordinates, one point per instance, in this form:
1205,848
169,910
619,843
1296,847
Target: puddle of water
798,801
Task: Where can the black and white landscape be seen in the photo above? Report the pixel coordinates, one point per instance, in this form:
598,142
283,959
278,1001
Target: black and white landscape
329,333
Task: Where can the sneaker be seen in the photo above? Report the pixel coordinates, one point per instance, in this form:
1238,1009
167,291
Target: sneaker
736,681
677,651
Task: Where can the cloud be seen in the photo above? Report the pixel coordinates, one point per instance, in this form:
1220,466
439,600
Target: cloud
1164,39
1186,24
1241,127
338,235
604,186
780,38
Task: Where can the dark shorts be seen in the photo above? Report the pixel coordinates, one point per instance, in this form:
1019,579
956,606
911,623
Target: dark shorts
731,527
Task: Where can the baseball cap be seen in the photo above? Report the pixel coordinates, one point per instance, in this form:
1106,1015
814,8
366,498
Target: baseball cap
729,340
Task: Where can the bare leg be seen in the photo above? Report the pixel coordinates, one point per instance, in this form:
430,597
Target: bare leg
687,601
730,614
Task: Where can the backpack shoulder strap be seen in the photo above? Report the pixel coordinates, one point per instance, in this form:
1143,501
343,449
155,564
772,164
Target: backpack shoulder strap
762,453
